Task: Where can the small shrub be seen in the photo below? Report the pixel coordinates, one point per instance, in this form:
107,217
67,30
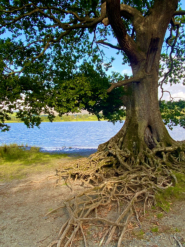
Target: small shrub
160,215
177,230
155,229
16,162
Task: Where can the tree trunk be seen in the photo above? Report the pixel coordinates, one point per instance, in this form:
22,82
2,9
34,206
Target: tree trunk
143,127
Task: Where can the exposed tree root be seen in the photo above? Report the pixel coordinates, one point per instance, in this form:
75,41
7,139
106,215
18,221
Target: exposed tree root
116,177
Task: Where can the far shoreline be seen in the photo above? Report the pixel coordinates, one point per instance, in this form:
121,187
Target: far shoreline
69,118
64,118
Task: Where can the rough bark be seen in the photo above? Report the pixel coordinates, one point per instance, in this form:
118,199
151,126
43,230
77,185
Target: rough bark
143,127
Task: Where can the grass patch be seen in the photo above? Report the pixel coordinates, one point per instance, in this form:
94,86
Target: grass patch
177,230
160,215
169,195
154,229
139,234
16,162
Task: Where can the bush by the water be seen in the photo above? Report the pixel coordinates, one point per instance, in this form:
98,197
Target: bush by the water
20,161
15,152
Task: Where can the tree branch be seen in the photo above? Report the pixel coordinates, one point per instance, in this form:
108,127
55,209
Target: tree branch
129,12
173,24
65,12
85,22
51,16
180,12
137,78
89,22
49,42
108,44
125,41
19,18
15,9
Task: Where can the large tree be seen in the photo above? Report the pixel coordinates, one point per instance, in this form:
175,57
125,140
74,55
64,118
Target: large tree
53,57
47,40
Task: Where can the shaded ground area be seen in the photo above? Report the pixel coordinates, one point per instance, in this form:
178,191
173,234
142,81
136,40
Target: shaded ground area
24,204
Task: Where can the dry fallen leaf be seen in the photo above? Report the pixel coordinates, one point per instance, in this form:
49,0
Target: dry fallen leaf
130,226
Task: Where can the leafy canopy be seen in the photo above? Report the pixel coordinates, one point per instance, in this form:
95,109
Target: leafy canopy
50,58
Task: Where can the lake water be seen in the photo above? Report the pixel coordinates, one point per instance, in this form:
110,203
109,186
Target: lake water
70,137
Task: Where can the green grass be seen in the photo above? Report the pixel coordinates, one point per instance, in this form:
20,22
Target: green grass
160,215
16,162
139,233
154,229
169,195
177,230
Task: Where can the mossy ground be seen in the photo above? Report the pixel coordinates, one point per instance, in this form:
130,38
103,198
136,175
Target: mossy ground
164,198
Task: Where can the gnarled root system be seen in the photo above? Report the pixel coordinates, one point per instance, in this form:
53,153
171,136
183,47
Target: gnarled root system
116,179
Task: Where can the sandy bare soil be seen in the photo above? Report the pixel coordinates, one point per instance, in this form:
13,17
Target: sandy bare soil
24,204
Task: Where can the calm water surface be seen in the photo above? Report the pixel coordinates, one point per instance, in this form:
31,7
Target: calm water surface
68,136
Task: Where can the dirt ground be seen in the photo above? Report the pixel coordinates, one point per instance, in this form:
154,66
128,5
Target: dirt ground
25,203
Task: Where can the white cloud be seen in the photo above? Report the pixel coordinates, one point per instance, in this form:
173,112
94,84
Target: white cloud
180,95
177,92
126,71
